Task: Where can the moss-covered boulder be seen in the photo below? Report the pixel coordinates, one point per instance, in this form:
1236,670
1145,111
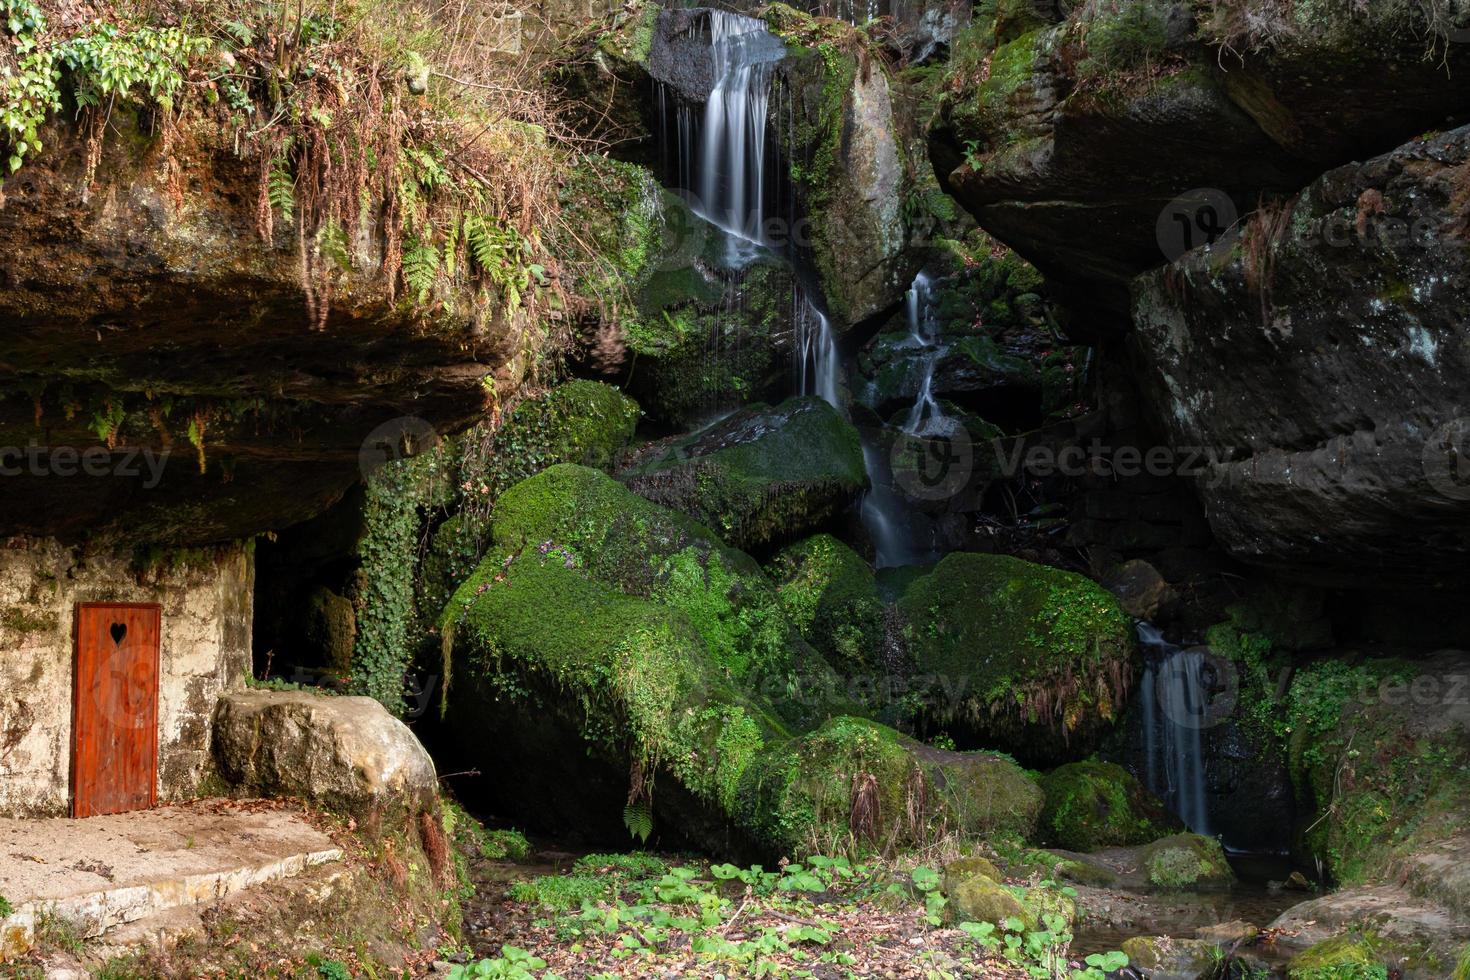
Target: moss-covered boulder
854,784
1187,862
583,422
704,334
761,476
1035,659
1167,956
975,897
830,593
1341,958
646,551
544,649
1092,805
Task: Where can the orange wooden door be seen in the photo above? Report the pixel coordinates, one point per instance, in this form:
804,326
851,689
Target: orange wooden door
114,758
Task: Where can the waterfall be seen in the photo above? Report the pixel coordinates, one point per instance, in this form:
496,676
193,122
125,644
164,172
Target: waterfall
1174,703
891,523
926,416
816,351
732,156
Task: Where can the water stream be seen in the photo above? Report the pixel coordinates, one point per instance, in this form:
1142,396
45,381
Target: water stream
1174,705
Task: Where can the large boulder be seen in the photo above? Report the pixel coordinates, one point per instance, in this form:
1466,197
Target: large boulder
582,518
1034,659
854,779
1314,357
345,752
762,475
1091,805
853,167
1105,118
608,644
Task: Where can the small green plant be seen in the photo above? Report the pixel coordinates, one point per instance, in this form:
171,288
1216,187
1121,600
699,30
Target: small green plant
512,964
6,909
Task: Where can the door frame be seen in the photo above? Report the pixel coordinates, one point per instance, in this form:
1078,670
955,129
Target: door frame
76,699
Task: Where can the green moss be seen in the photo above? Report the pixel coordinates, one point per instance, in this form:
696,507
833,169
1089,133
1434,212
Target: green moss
979,898
1117,38
1092,805
829,592
576,422
1036,652
639,671
762,475
1187,861
645,551
804,793
1348,957
705,338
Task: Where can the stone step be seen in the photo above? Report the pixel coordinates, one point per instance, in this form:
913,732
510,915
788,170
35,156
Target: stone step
139,865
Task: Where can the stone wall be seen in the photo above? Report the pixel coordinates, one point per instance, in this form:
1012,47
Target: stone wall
206,595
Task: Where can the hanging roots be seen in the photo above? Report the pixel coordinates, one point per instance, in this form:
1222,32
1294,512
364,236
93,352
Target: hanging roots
865,813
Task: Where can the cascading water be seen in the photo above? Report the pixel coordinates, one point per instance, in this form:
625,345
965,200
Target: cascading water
732,155
889,521
816,348
1173,702
926,416
729,169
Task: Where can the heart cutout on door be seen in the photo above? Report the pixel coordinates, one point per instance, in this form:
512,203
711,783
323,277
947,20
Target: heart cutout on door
118,631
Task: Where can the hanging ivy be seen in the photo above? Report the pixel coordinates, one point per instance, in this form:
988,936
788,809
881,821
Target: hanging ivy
389,549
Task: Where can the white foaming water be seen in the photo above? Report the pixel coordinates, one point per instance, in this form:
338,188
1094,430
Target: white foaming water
926,417
816,351
732,160
1172,701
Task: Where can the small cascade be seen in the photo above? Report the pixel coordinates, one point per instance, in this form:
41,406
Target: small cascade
1173,701
816,351
894,529
732,157
926,417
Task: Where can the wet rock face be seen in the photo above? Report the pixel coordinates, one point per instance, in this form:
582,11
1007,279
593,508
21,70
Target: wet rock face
761,476
1318,355
147,320
1073,138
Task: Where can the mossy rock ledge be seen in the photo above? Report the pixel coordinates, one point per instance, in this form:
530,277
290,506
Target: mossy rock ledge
761,476
625,634
1034,660
1092,805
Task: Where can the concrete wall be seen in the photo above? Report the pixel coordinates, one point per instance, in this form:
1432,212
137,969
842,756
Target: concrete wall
206,595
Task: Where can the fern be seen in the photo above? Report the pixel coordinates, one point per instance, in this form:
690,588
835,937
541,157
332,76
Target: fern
331,243
420,267
487,243
281,189
638,818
